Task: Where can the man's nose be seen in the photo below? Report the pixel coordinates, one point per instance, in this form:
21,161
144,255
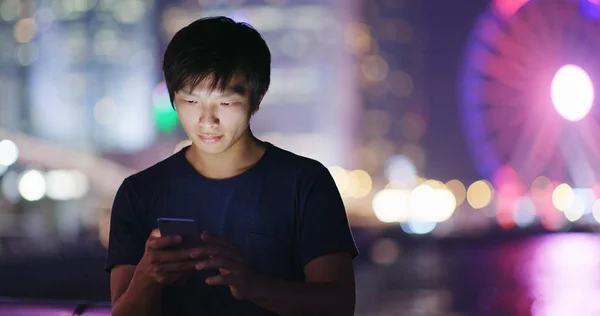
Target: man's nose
209,118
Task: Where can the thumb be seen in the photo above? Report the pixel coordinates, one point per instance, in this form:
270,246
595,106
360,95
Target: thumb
155,233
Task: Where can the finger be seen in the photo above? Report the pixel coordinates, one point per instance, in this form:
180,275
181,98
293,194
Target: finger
219,240
158,243
214,250
221,279
217,263
155,233
178,267
164,256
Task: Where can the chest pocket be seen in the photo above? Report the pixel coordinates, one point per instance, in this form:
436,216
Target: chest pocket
268,250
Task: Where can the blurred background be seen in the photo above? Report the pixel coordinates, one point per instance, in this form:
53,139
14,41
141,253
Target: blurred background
464,137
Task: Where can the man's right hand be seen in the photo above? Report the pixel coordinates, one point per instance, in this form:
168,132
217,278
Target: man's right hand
161,263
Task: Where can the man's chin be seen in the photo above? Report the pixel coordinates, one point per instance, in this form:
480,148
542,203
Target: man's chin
211,149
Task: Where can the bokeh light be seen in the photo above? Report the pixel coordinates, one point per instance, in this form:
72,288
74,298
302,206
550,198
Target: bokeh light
32,185
563,197
391,205
576,210
596,210
431,203
359,184
480,194
572,92
385,251
400,169
524,212
341,178
9,153
458,189
418,227
165,116
66,184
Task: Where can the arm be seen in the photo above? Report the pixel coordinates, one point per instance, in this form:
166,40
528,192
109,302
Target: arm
139,264
133,294
328,290
325,247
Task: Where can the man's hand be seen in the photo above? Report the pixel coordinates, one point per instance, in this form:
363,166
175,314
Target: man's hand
162,264
222,254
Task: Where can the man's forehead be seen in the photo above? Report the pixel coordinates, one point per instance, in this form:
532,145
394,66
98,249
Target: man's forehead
207,86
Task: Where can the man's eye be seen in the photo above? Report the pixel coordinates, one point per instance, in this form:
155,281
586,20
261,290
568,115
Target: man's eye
225,103
189,101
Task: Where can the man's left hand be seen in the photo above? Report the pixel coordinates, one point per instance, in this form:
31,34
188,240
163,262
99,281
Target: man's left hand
220,253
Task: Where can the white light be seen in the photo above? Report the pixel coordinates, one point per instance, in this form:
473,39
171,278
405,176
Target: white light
431,205
391,205
576,210
401,169
596,211
588,196
32,185
9,153
66,185
572,92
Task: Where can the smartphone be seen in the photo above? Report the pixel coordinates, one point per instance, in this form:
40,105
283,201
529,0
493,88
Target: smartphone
184,227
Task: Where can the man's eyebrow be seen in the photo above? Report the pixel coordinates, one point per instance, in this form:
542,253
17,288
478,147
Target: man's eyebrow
228,92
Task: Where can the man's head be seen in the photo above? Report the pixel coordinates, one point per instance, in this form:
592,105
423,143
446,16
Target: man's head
217,72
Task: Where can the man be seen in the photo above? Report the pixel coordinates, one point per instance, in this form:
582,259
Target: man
277,239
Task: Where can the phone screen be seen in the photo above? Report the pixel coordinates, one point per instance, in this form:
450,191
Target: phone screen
186,228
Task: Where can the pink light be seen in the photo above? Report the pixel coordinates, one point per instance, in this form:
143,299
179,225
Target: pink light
506,8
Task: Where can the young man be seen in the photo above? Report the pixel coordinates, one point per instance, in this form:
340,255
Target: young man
277,239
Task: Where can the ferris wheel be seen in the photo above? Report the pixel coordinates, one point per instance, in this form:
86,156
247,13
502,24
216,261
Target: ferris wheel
528,97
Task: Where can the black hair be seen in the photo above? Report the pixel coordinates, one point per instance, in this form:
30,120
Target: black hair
216,49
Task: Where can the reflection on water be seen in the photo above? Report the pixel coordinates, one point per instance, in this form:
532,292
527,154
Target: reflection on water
552,275
562,276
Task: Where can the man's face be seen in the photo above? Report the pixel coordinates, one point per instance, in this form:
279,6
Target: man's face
214,120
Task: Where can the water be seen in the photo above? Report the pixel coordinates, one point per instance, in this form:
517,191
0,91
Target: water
548,275
551,275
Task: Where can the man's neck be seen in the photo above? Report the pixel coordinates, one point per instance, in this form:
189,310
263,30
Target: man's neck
244,154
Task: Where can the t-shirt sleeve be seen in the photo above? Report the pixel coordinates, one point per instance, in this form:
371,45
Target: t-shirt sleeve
127,236
323,224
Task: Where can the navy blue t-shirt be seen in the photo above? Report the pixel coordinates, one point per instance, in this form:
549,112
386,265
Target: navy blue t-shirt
283,212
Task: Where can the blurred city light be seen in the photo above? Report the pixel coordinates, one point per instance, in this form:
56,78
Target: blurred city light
563,197
400,169
418,227
431,204
572,92
391,205
576,210
359,184
385,251
341,178
524,212
596,211
9,153
66,184
480,194
458,189
32,185
165,117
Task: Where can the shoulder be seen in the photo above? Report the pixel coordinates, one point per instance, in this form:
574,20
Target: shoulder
296,166
156,175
